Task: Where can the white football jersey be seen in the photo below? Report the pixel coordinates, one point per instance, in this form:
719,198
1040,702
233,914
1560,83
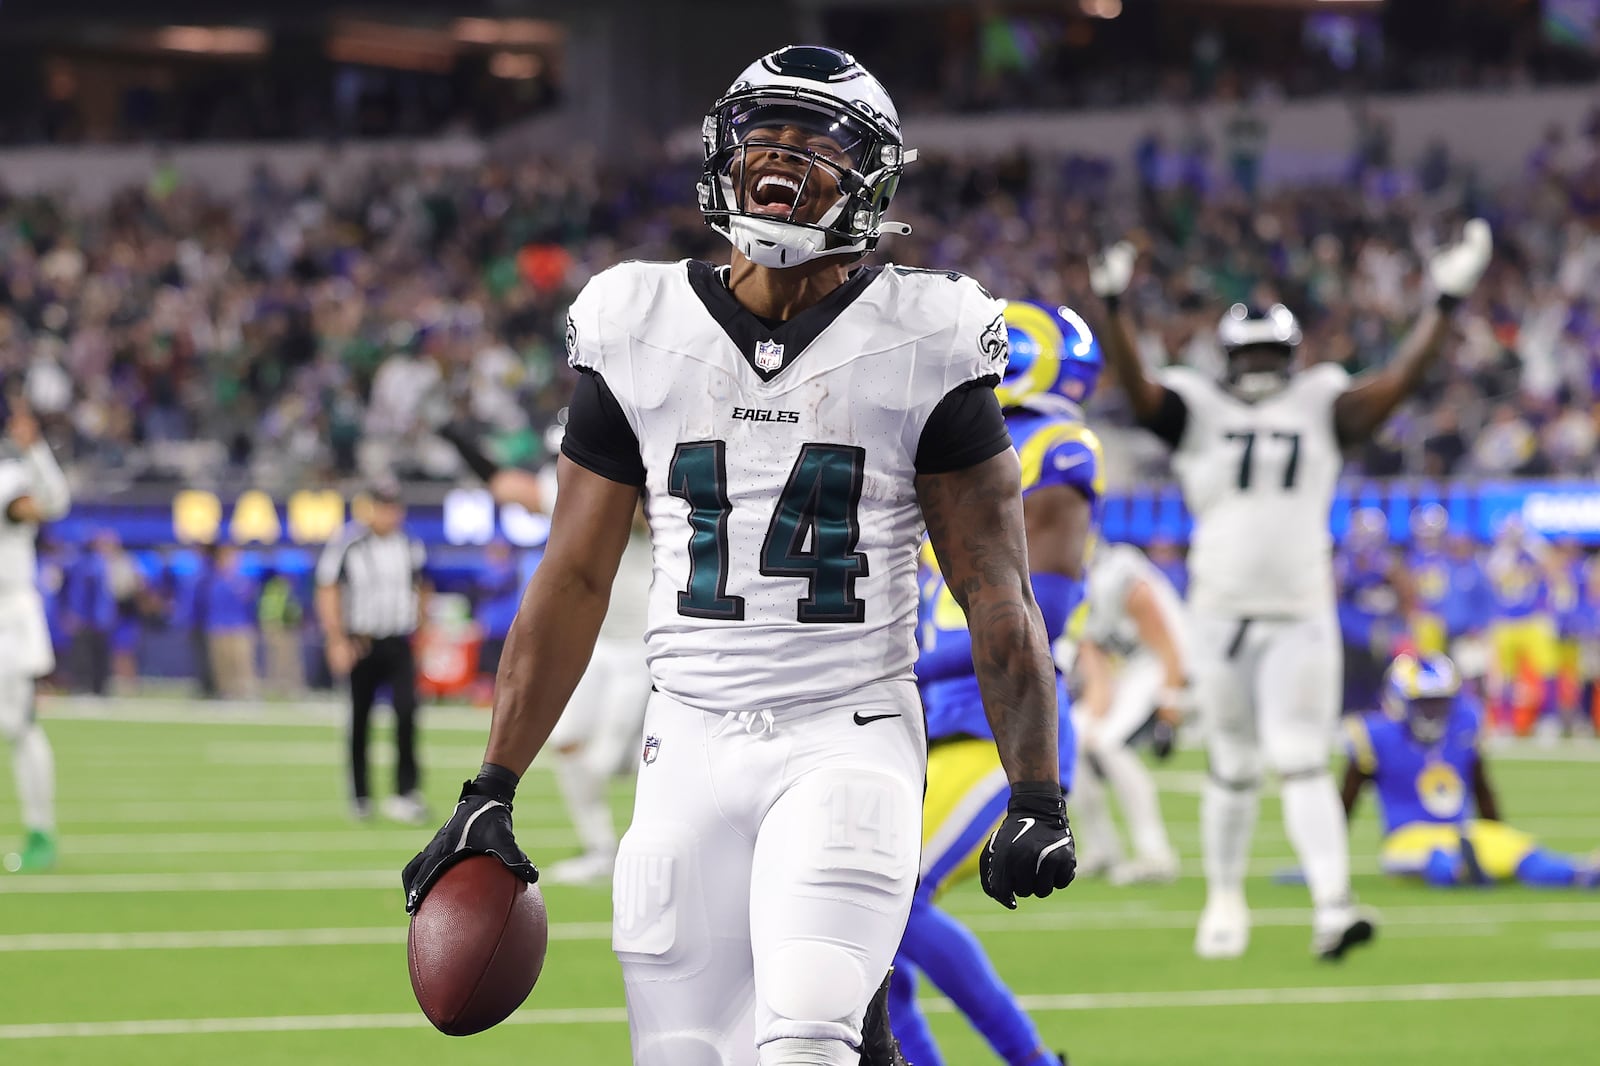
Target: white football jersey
1116,570
1259,480
17,560
783,516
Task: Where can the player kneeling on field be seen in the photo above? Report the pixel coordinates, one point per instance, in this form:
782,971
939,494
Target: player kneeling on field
1422,751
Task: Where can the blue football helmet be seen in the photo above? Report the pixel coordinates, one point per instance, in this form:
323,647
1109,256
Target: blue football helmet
1429,524
1420,692
1055,360
1369,530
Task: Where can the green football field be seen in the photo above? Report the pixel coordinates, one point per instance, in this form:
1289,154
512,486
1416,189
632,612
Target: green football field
214,905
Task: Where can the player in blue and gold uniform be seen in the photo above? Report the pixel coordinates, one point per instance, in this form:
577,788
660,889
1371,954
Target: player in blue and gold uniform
1055,362
1441,819
1523,636
1375,604
1433,572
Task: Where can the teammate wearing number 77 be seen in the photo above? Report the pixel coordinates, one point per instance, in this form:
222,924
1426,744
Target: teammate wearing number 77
794,421
1258,456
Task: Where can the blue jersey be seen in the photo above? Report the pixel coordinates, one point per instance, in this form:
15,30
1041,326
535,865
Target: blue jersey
1567,601
1517,583
1418,783
1366,592
1451,588
1054,451
1431,573
1585,623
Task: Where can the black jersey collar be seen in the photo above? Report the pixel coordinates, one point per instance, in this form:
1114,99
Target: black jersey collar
770,349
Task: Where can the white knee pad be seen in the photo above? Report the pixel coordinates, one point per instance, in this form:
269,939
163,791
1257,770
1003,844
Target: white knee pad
1295,749
797,1051
816,981
1234,762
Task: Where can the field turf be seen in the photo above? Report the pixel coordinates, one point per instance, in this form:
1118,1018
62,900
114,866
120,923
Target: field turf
215,905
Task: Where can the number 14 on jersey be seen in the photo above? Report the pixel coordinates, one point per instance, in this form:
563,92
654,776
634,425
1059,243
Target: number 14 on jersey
812,534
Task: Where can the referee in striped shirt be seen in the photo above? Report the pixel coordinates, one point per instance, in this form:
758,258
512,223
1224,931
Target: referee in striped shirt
370,595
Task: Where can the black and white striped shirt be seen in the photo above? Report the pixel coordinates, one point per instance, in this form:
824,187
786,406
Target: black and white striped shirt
379,575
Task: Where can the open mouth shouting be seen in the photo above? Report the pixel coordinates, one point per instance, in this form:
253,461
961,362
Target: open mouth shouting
776,193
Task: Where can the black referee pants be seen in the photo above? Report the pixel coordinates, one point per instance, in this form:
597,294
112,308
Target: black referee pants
388,659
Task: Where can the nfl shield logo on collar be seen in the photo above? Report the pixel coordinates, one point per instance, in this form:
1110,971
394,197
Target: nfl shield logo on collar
652,745
769,355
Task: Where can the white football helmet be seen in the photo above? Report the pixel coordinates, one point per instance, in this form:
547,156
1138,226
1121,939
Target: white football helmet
831,99
1259,346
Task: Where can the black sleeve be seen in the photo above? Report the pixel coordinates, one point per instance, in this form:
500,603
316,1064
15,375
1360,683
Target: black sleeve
966,428
1170,419
598,436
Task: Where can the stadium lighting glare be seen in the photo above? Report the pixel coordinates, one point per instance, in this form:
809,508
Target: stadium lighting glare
515,66
213,40
505,31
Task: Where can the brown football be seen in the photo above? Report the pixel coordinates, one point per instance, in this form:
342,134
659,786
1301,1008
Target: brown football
477,945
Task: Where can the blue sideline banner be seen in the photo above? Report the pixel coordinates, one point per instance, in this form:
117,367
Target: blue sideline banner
466,518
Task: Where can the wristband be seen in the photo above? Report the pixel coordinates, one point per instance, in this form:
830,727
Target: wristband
1038,797
496,782
1113,302
1448,303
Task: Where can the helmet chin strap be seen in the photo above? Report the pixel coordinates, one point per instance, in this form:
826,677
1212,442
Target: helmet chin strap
776,243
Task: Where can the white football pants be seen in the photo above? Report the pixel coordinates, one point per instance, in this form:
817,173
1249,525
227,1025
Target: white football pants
26,654
764,884
1269,692
1104,756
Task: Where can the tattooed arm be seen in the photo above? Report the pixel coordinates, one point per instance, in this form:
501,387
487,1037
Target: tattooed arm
976,524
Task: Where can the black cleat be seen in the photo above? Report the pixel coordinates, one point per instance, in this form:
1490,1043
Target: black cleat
1333,946
878,1045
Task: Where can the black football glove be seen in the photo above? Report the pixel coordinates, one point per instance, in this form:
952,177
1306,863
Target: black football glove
480,825
1163,737
1032,853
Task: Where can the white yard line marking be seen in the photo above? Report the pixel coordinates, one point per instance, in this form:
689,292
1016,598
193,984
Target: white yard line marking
1402,921
1233,997
249,938
1442,915
330,753
134,884
536,835
1313,996
301,715
1588,940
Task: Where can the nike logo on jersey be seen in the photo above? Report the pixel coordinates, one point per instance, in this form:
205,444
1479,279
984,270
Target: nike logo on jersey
1067,462
861,719
762,414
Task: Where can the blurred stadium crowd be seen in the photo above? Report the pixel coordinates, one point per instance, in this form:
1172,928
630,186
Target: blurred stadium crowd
301,332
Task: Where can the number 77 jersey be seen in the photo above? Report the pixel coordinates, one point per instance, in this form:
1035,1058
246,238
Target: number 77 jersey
779,465
1259,480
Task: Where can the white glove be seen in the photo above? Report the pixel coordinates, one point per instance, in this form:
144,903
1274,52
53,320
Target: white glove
1455,270
1112,269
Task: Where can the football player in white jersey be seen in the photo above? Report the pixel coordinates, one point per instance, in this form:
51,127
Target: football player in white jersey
32,490
1132,660
795,420
1258,456
608,705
